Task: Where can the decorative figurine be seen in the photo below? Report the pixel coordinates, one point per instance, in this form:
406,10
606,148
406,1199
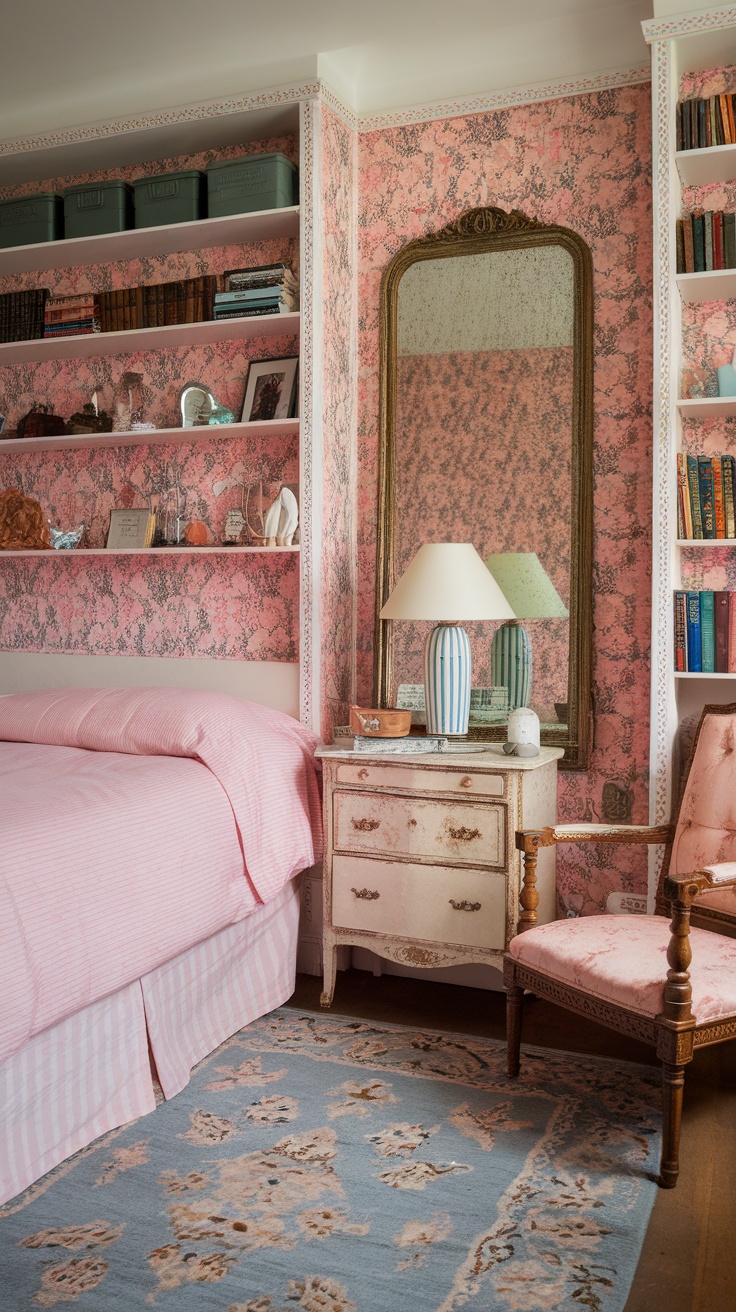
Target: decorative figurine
281,520
66,539
23,525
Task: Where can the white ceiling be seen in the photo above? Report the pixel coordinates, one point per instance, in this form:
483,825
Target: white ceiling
66,63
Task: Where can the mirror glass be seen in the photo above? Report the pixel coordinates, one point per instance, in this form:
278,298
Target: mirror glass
485,441
197,405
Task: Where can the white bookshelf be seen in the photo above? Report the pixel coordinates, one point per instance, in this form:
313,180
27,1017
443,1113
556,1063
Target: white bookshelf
153,437
149,339
166,239
152,552
687,43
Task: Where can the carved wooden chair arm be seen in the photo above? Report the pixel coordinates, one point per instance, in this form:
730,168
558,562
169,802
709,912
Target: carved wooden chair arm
529,841
595,833
682,891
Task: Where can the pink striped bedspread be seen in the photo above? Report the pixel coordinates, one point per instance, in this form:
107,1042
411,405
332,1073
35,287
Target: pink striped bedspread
133,824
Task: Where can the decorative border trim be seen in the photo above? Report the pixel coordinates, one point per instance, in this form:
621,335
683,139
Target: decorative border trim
708,20
306,91
164,118
493,100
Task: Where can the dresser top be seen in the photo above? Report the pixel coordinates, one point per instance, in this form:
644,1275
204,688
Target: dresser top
491,757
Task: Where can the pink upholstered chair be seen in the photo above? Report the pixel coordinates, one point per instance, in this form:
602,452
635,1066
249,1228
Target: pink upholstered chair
633,973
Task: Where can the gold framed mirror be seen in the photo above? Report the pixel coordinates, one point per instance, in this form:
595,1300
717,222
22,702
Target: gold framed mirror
486,433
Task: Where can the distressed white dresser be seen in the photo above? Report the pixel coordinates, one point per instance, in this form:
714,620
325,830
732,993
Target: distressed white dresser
420,864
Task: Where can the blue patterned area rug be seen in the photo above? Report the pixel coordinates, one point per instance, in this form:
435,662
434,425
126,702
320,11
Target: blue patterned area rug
324,1164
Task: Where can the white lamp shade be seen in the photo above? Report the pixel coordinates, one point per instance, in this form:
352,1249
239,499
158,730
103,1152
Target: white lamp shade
527,586
447,582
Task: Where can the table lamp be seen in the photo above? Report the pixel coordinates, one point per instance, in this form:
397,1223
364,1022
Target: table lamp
447,582
532,595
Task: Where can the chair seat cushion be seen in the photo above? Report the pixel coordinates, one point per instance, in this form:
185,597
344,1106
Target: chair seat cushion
623,959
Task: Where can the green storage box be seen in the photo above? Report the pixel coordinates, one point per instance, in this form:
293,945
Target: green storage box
251,182
30,219
103,207
168,198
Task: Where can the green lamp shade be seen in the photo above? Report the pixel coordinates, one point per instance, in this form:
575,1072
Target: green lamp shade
532,595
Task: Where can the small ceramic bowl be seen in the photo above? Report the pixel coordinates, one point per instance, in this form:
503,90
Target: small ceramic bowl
368,723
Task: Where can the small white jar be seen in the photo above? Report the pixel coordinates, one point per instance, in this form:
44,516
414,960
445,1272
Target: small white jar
523,730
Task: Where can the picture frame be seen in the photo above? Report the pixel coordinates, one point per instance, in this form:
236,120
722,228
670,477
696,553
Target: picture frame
270,391
131,529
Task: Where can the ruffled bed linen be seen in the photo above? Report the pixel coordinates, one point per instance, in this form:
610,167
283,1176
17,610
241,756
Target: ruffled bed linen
91,1072
136,823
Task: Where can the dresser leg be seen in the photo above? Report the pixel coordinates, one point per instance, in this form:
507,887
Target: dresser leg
329,969
514,1009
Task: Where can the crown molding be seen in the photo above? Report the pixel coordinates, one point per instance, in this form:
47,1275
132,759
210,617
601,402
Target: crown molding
459,107
698,20
269,99
484,103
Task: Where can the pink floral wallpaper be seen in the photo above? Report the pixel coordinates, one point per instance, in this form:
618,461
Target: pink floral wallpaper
462,456
339,362
584,162
241,607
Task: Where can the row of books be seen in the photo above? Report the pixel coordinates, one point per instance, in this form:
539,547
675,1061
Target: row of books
706,240
188,300
22,314
705,632
710,121
71,316
270,289
706,496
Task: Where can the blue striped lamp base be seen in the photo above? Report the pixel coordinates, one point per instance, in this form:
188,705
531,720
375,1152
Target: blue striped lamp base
447,673
511,663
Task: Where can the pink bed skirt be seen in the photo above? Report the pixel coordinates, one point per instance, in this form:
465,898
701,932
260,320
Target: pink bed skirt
91,1072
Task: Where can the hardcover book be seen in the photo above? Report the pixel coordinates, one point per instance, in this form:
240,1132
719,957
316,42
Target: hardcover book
707,632
707,507
721,627
694,657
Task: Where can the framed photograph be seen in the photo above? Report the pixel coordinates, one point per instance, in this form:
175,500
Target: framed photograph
270,392
130,528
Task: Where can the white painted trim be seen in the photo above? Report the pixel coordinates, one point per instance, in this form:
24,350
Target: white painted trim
480,103
504,99
270,683
697,20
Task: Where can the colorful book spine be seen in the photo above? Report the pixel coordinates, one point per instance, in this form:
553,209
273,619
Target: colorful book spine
707,632
694,653
680,632
719,509
694,487
732,633
705,485
721,600
729,494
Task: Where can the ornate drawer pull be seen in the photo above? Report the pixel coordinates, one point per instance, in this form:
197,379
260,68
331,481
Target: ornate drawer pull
466,781
366,826
464,835
369,894
462,906
362,774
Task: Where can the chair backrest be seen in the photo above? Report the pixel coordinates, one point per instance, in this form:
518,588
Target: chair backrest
705,824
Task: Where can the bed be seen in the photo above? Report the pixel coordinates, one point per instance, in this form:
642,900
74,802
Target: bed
151,847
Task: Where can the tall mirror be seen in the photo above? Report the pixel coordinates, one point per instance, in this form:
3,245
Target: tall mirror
486,437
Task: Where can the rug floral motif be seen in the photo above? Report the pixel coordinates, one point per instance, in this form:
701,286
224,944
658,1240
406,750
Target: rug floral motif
320,1164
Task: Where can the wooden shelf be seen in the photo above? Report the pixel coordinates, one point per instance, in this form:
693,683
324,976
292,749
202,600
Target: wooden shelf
153,551
706,542
716,285
708,407
153,437
149,339
233,229
707,164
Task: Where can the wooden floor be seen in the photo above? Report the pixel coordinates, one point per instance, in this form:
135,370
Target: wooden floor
688,1262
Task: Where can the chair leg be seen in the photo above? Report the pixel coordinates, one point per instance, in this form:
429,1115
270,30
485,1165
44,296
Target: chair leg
673,1082
514,1011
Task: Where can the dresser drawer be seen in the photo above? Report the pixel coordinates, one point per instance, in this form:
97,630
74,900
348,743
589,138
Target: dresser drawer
438,830
421,779
432,903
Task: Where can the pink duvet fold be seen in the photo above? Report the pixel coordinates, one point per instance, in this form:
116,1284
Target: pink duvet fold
133,824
